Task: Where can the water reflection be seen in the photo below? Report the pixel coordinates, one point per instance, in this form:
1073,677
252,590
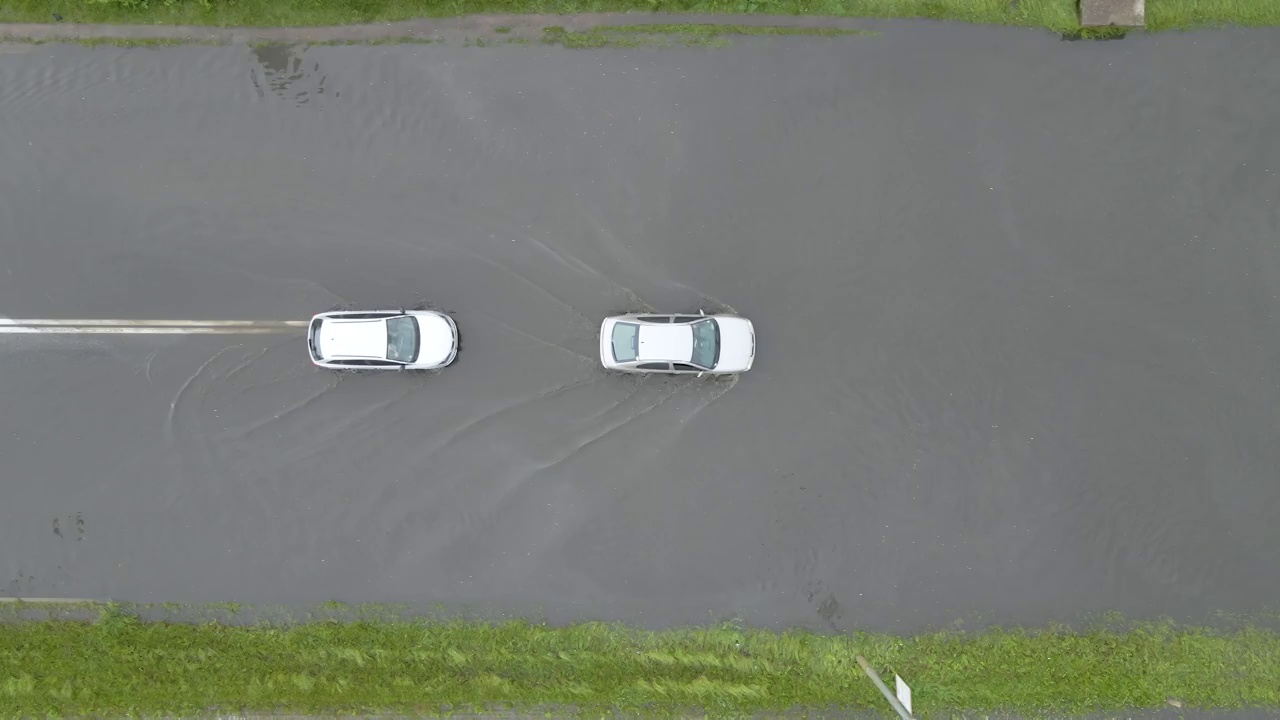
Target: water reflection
284,71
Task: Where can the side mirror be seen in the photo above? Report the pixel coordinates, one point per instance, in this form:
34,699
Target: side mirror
701,374
702,313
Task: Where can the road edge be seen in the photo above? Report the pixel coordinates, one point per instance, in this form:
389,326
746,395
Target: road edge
467,28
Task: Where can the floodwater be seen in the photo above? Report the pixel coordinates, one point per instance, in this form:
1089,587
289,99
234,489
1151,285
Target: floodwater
1017,300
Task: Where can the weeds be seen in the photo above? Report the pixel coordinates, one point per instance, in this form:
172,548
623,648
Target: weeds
121,665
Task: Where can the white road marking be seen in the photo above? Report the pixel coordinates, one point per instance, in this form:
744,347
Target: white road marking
74,601
13,326
160,323
62,330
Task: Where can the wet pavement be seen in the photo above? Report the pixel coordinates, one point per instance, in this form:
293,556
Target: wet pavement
1017,304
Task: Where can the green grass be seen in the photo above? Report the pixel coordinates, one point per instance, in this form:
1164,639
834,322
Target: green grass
1186,14
1057,15
120,665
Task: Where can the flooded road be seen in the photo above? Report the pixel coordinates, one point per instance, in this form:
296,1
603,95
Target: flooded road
1017,299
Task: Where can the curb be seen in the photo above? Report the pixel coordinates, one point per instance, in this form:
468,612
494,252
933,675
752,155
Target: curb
423,30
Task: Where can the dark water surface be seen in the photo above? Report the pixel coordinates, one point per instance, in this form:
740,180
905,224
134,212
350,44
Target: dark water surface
1018,305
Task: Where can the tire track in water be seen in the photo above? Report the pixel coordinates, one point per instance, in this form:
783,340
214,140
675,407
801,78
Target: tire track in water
285,413
526,281
349,424
572,500
271,280
623,256
206,461
517,331
637,385
246,363
178,396
571,262
484,503
472,481
213,450
608,430
475,425
372,511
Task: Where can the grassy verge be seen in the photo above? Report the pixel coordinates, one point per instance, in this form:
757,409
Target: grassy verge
119,665
1057,15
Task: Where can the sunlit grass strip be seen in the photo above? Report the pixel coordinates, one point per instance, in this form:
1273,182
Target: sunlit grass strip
709,35
709,30
122,666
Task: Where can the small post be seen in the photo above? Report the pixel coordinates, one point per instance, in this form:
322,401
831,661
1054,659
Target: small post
904,691
884,689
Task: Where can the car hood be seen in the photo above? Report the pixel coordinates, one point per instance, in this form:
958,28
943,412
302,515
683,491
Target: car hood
435,333
737,344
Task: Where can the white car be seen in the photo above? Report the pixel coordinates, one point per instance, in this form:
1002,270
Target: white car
382,340
695,344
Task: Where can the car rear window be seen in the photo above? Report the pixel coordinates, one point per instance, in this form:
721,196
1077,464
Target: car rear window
314,338
626,342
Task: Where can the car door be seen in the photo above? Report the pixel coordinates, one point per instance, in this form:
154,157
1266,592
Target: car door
686,369
654,367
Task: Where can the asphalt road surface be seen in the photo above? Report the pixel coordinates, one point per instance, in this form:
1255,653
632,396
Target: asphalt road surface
1017,299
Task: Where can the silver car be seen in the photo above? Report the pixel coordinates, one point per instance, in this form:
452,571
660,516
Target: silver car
694,344
382,340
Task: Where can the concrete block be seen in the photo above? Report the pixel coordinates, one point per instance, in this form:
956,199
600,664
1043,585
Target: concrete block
1120,13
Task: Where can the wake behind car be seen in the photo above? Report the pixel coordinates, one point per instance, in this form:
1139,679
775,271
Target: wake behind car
678,344
382,340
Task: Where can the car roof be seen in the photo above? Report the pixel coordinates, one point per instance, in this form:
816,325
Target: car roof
665,343
364,338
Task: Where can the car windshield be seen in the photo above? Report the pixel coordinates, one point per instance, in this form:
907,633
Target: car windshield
706,343
402,339
626,342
